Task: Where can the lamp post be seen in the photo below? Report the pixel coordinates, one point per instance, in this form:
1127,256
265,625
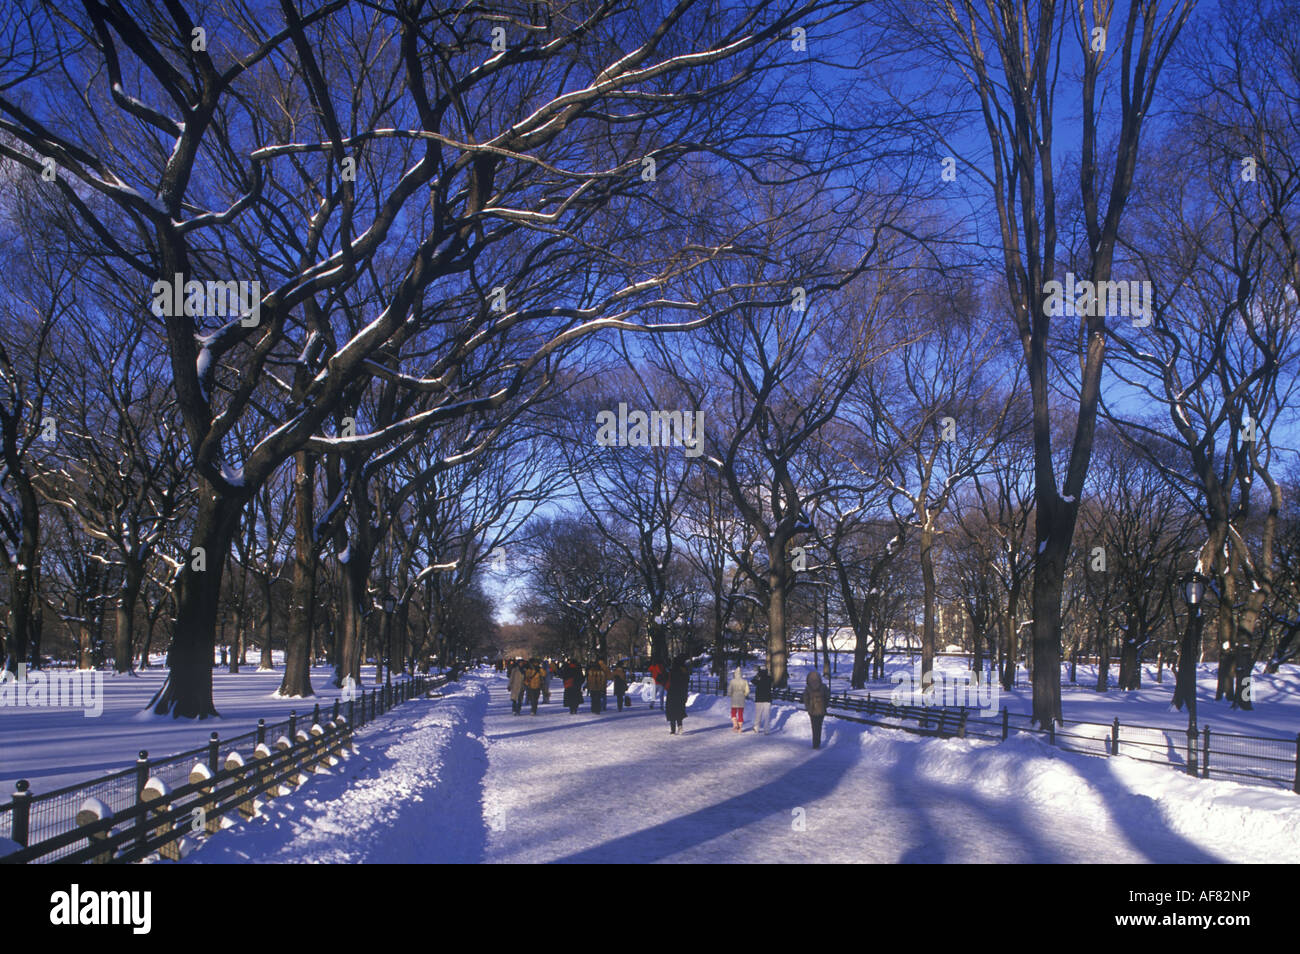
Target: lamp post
1193,586
389,605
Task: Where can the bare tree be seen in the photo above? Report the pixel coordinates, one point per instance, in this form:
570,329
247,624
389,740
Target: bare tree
217,151
1013,60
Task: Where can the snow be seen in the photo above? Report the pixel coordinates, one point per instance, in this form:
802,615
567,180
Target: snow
404,797
51,747
1277,696
463,779
459,778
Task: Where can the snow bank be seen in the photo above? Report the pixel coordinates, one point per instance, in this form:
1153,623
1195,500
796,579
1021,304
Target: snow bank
409,795
1117,796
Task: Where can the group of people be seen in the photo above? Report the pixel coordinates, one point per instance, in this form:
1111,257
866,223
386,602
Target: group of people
530,680
816,698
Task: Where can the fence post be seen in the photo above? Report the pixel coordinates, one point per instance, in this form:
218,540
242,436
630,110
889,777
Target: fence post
315,715
213,743
141,778
235,765
156,791
21,809
211,820
1114,737
335,716
1051,731
92,810
1004,723
263,755
1296,787
261,731
293,723
1205,753
1191,751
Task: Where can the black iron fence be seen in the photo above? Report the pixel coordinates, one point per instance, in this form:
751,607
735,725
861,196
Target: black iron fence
151,805
1255,759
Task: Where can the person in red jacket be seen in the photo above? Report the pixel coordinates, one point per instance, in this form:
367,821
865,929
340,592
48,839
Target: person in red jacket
660,675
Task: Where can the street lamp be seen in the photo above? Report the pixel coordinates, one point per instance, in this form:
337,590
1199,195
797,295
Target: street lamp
1193,586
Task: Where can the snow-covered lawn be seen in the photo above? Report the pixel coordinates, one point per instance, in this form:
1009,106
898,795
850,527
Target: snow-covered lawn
53,747
1276,707
463,779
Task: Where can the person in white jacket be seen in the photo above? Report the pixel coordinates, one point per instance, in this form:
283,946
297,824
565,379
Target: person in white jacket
738,690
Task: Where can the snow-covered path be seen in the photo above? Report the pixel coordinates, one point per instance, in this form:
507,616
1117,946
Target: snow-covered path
618,787
461,778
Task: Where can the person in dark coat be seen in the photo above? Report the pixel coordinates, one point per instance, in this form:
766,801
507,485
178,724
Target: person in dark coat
816,697
572,677
620,685
679,678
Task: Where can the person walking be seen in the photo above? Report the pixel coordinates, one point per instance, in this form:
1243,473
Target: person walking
516,687
620,685
533,683
738,690
660,675
815,699
597,681
762,700
572,677
678,685
546,681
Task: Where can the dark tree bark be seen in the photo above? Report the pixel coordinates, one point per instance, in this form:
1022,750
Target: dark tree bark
297,656
124,644
187,693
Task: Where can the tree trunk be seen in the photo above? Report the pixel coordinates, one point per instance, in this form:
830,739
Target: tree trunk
1103,654
38,629
22,583
85,641
928,587
777,579
356,599
148,641
187,692
124,645
265,625
297,654
1011,652
241,613
1130,661
1049,583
